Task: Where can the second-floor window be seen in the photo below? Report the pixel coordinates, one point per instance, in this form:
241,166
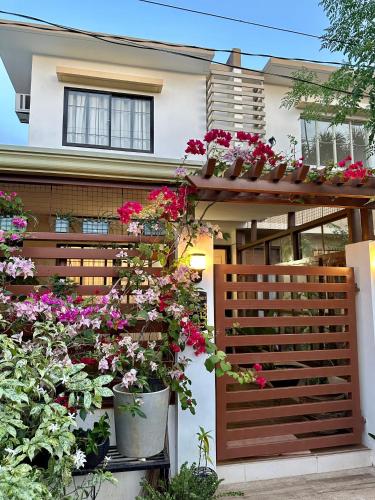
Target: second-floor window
108,121
323,142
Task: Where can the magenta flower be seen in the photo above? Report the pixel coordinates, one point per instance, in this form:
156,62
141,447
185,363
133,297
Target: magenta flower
19,222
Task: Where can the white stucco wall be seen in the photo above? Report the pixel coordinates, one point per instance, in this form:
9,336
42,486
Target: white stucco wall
179,110
281,122
202,382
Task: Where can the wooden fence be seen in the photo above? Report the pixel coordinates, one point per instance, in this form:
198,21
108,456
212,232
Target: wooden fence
299,323
90,260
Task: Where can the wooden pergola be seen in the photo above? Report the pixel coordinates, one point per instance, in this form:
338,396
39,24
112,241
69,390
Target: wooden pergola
280,187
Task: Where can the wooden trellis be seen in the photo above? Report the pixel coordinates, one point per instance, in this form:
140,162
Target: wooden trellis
278,186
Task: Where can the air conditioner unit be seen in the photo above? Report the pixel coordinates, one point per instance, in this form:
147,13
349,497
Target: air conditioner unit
23,107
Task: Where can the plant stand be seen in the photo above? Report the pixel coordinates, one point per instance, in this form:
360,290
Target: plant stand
119,463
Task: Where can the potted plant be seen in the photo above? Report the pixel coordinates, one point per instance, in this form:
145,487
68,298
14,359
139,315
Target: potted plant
192,482
64,222
141,399
96,225
12,214
203,471
94,442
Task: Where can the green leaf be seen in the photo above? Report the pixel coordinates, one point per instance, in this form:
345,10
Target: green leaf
87,399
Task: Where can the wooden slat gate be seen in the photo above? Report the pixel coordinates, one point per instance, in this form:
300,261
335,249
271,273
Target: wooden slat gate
299,323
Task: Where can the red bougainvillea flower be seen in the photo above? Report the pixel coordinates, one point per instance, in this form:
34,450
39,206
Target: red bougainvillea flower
195,338
246,136
220,136
174,347
261,381
195,147
128,209
356,171
343,162
173,202
258,367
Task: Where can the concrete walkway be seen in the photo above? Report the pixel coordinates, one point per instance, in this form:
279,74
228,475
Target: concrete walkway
353,484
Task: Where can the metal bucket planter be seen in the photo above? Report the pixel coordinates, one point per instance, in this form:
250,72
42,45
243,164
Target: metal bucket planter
136,436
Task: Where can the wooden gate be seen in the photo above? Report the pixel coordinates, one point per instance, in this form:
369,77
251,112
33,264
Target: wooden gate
299,323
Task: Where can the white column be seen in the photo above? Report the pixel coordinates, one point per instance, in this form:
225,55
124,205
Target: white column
203,382
361,256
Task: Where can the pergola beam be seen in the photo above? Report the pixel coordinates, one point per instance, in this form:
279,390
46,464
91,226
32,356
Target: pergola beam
262,186
288,191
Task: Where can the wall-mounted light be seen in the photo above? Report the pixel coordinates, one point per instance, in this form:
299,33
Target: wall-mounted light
198,263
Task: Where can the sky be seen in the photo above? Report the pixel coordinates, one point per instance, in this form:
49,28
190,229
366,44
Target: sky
138,19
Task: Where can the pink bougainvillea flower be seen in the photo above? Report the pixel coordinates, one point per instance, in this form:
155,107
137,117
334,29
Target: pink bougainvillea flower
258,367
19,222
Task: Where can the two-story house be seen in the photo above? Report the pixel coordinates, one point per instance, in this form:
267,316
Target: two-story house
109,118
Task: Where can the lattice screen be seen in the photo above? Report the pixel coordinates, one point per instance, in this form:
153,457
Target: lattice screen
45,200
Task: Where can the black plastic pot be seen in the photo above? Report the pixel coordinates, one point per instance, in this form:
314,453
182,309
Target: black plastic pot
204,473
40,460
93,459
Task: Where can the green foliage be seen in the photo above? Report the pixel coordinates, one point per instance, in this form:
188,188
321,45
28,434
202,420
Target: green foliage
351,32
62,287
204,446
22,482
89,440
32,422
187,485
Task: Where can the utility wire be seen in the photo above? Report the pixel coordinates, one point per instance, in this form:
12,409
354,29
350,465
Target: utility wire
132,43
156,42
235,19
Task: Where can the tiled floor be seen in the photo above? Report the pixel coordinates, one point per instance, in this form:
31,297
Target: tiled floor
353,484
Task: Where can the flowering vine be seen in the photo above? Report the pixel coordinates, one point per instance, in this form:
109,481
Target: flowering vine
226,148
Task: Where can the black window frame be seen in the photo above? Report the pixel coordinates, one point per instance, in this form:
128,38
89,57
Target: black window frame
111,94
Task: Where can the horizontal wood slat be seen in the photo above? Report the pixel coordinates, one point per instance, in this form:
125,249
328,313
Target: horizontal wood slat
288,410
100,238
286,338
292,446
92,271
324,401
288,392
285,304
80,289
303,373
74,253
277,357
289,428
244,269
279,321
256,286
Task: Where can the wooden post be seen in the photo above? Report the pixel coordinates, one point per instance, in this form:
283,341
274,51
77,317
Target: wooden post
254,230
240,240
294,236
354,224
367,224
267,253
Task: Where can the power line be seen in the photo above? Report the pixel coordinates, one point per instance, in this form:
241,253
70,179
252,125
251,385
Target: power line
234,19
173,52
